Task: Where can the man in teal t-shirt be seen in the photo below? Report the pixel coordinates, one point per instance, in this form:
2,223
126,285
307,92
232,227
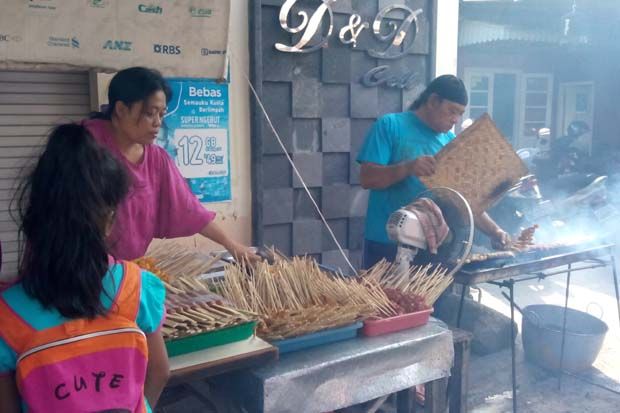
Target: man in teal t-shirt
398,149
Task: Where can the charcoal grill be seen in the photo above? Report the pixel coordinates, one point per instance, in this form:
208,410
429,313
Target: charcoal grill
506,272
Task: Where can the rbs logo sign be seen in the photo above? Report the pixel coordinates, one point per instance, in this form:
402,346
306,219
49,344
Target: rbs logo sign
166,49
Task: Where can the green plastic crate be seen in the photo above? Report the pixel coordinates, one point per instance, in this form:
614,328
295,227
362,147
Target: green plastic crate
215,338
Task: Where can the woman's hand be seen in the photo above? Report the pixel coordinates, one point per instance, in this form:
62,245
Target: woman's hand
242,253
239,251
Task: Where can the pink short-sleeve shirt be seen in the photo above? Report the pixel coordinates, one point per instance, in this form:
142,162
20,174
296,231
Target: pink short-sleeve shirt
160,204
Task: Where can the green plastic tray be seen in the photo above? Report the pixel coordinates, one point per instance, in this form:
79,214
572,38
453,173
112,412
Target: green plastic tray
215,338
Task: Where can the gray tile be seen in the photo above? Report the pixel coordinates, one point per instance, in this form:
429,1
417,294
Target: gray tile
310,166
398,14
410,95
336,201
306,136
303,207
340,229
307,237
356,233
276,172
343,6
359,201
335,101
276,65
365,8
276,98
279,236
277,206
364,101
307,65
336,136
306,98
366,39
335,260
335,168
410,69
283,125
361,63
359,130
354,172
355,256
390,99
422,42
336,65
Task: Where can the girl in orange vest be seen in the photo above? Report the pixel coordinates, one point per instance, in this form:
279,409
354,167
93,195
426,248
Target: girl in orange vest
79,331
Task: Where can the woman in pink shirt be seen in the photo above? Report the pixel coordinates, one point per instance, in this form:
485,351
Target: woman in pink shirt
160,204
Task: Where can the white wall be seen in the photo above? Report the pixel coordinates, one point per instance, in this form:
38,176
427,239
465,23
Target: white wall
236,216
445,47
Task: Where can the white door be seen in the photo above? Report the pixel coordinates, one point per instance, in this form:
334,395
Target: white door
576,103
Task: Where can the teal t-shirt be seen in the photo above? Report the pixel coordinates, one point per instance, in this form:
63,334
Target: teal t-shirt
394,138
150,313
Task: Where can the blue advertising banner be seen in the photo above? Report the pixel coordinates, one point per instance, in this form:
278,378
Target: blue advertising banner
195,134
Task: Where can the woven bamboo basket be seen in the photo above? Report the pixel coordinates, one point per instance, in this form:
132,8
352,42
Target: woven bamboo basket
479,163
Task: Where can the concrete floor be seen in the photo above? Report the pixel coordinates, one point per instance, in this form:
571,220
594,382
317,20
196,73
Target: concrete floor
490,384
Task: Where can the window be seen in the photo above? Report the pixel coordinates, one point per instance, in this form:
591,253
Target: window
480,96
536,113
519,103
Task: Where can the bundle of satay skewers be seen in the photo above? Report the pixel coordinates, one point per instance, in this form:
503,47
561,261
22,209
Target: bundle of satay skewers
411,290
191,308
293,297
169,260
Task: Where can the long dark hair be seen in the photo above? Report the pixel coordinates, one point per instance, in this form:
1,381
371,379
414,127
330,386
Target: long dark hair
64,206
133,85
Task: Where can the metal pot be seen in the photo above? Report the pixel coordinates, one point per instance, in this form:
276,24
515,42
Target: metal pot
542,337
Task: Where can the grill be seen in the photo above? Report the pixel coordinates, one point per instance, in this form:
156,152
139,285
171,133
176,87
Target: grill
505,272
533,263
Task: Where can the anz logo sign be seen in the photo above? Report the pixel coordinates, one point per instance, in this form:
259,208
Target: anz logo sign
122,45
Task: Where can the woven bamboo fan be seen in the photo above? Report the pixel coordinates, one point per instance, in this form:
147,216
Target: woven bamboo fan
479,163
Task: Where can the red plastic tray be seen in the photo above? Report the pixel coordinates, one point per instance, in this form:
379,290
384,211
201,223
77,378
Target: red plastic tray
401,322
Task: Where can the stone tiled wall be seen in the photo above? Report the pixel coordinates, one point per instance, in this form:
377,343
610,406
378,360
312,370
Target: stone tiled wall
322,112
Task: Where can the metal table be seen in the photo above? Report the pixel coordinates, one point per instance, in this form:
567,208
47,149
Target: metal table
511,273
350,372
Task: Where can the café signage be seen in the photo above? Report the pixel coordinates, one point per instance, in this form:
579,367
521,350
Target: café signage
395,27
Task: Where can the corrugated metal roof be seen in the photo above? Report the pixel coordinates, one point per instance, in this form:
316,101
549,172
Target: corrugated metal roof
472,32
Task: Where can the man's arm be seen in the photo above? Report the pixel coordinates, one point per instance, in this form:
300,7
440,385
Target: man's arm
375,176
499,238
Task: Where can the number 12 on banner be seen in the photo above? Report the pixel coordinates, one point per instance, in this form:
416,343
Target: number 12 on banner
202,153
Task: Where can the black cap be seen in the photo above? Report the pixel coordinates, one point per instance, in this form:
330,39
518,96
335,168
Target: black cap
449,87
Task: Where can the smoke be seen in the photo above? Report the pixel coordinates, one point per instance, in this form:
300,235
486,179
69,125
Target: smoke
581,223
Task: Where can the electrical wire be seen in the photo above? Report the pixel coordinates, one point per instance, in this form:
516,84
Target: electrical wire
290,160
